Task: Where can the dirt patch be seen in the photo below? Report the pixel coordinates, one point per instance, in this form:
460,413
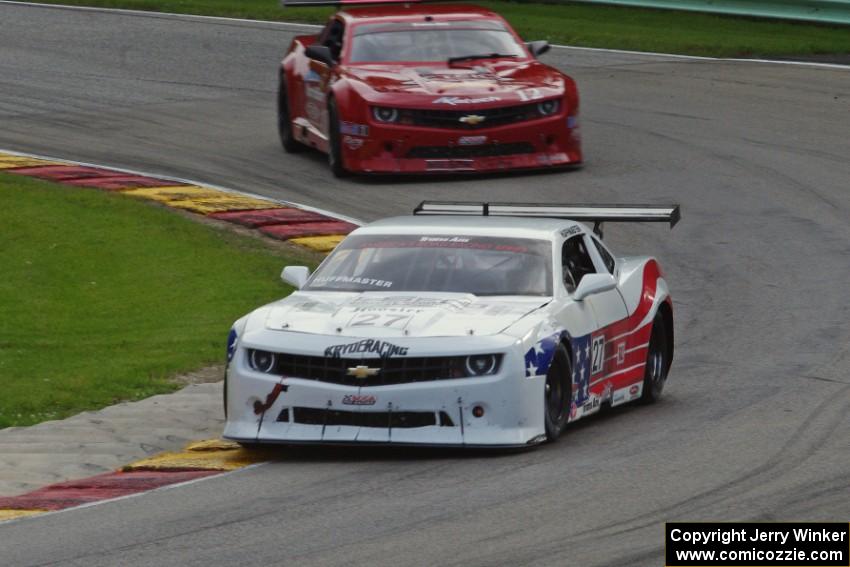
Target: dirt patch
206,375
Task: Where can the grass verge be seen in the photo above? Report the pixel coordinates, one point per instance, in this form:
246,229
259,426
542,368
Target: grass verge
103,297
576,24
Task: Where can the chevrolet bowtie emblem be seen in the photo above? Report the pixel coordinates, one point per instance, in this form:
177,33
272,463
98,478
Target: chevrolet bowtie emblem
363,372
473,119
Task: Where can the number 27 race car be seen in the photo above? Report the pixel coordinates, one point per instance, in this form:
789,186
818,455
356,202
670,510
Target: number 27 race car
425,89
495,331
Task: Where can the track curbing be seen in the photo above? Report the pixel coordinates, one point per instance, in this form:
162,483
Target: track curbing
310,228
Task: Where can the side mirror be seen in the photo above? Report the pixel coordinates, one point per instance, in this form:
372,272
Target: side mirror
594,283
538,47
296,276
320,53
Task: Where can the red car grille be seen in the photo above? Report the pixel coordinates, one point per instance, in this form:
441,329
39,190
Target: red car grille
470,119
459,152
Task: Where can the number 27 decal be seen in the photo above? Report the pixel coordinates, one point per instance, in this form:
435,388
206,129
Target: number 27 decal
598,355
379,320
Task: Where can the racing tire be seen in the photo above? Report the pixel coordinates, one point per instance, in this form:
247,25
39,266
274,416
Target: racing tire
284,122
335,159
657,363
224,395
557,394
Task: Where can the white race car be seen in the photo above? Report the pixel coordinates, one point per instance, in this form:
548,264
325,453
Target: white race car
468,324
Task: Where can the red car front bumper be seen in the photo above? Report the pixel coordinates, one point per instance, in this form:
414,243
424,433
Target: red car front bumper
541,143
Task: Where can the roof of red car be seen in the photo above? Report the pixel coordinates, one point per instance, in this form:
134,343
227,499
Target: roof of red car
413,12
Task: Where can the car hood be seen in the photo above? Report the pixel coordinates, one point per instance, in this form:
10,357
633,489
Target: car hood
486,83
374,314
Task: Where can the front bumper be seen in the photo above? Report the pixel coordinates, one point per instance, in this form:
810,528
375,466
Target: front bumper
263,408
535,144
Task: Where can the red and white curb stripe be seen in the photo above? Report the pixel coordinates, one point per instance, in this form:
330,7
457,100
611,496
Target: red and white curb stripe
311,227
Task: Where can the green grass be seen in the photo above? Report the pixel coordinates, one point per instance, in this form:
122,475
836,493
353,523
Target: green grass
103,297
577,24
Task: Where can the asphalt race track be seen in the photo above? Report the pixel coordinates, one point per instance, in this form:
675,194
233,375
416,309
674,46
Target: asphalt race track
755,423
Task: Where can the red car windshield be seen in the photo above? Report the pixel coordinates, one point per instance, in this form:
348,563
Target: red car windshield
439,263
431,42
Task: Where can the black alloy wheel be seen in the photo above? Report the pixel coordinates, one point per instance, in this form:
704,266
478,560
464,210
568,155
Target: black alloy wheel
284,121
335,159
558,393
657,364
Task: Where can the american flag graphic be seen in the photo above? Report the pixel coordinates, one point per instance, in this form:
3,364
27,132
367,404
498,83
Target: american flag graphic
581,368
539,357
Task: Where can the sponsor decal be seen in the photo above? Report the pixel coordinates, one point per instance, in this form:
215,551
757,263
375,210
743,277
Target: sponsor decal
353,143
455,100
356,400
472,140
619,397
621,353
592,404
443,239
634,390
352,279
231,344
472,119
353,129
472,76
539,357
570,231
312,77
383,349
572,121
408,302
314,307
363,372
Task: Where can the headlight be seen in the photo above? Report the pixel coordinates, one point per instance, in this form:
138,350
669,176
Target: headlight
548,107
481,364
262,361
384,114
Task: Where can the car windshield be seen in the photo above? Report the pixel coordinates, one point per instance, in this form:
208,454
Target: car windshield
431,42
438,263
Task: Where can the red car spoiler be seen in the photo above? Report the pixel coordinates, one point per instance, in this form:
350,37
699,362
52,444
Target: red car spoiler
286,3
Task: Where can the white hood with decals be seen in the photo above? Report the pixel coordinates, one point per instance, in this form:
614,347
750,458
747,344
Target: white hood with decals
402,314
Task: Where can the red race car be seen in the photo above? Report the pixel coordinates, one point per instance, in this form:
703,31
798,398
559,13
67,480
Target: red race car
425,89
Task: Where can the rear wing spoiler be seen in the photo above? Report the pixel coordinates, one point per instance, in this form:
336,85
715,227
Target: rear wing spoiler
285,3
597,214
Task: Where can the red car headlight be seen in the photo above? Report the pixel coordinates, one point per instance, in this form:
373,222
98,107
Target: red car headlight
385,114
548,107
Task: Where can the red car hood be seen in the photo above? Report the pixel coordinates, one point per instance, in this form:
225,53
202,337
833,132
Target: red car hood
470,84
